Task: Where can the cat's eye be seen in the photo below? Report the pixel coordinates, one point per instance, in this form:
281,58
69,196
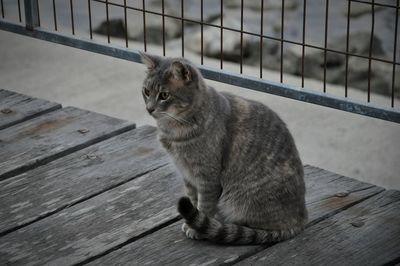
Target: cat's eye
146,92
163,95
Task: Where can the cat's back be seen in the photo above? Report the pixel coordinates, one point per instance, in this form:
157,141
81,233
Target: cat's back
261,162
251,117
258,137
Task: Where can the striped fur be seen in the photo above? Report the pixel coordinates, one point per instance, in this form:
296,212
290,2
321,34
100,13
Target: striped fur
216,231
240,167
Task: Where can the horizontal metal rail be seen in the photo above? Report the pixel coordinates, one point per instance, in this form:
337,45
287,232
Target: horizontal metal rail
288,91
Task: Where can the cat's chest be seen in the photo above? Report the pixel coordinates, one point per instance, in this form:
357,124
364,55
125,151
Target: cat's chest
184,152
191,157
185,160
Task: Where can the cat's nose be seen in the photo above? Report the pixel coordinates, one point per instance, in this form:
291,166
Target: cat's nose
150,109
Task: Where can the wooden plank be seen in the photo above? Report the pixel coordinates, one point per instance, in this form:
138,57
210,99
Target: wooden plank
83,174
16,108
97,225
50,136
170,246
365,234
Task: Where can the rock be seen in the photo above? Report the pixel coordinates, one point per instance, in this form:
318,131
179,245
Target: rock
271,57
154,31
359,44
116,28
231,42
256,4
381,73
381,76
135,32
335,63
192,9
211,41
360,9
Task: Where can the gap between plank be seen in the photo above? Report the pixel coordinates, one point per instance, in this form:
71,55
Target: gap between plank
245,256
41,217
131,240
29,117
392,262
56,156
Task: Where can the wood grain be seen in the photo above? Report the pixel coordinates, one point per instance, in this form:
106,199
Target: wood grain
97,225
365,234
50,188
16,108
169,246
52,135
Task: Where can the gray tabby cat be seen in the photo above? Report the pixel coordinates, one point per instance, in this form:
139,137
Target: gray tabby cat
240,166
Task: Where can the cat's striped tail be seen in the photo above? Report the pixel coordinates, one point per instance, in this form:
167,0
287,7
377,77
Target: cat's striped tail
216,231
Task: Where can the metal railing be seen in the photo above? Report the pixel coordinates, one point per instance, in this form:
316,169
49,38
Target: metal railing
30,25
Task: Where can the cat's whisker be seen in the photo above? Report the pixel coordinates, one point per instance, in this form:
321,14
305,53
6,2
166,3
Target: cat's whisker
178,119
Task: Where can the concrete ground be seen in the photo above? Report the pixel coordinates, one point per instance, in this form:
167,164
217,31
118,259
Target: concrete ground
360,147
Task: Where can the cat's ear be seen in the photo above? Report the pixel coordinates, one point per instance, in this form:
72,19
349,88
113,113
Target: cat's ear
181,72
151,61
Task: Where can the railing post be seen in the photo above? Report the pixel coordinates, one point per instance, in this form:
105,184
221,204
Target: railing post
31,14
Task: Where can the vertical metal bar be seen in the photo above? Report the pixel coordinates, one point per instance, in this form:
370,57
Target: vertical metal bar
347,49
282,29
144,26
55,15
261,38
126,25
90,20
241,37
182,29
19,11
2,8
370,49
222,35
201,32
163,25
395,49
108,22
38,12
303,42
31,14
72,17
326,40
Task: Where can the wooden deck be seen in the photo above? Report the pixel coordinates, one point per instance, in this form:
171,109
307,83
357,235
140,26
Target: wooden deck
77,187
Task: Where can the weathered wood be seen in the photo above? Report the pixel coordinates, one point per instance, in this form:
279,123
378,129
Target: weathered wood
50,136
97,225
328,193
44,190
16,108
169,246
66,199
365,234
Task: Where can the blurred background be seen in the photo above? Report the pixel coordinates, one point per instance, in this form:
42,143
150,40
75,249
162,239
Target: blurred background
346,48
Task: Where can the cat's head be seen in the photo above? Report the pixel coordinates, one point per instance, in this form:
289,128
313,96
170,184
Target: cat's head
171,87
